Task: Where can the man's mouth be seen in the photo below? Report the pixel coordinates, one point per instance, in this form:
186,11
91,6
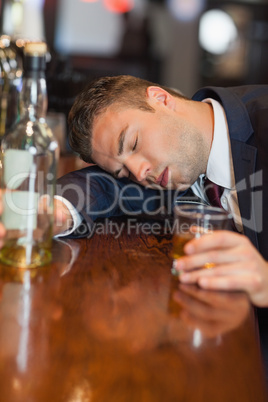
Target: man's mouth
163,178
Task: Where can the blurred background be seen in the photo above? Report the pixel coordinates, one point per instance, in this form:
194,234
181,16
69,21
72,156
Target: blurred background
184,44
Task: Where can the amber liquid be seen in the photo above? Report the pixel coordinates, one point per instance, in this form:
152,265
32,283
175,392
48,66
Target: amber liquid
179,242
25,256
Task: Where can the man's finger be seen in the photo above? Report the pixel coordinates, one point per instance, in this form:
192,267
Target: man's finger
222,239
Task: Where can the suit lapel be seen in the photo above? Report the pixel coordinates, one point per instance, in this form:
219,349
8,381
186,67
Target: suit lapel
244,160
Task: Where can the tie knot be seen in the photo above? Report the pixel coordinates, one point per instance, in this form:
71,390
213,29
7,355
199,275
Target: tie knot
213,193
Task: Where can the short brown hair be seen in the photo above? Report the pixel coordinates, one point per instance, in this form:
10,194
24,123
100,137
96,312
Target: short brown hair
122,90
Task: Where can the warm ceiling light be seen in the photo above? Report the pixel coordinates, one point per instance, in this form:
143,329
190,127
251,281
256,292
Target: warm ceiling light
119,6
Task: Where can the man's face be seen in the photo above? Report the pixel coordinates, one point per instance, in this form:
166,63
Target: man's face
158,150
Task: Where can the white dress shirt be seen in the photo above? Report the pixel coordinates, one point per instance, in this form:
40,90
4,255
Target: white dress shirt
77,218
220,168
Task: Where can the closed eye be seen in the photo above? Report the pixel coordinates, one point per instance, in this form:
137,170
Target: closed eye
117,173
135,145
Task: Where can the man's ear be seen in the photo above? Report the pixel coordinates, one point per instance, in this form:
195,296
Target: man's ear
161,95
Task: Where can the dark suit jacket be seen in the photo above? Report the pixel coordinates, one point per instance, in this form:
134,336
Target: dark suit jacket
246,109
95,194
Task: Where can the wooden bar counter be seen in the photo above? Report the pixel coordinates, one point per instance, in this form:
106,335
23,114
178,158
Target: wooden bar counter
106,321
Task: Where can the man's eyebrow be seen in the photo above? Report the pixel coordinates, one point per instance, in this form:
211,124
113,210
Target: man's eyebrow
121,140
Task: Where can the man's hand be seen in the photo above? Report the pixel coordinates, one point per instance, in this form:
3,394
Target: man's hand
238,265
62,217
213,313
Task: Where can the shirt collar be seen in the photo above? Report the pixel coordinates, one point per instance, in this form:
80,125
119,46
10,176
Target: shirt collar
220,164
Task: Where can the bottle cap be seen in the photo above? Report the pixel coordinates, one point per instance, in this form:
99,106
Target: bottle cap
34,57
35,48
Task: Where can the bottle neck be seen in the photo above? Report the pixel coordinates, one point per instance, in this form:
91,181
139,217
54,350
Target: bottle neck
33,99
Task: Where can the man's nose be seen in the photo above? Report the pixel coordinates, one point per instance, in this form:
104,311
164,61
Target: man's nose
139,169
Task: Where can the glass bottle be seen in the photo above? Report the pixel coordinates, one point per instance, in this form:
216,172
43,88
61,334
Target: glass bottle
4,90
10,83
29,154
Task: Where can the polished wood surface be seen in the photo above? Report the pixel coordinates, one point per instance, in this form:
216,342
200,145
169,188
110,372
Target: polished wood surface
106,321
